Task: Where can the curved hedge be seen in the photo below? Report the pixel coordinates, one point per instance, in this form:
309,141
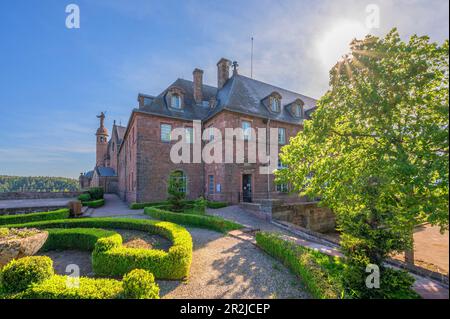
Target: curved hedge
320,273
202,221
94,203
34,278
110,258
34,217
74,238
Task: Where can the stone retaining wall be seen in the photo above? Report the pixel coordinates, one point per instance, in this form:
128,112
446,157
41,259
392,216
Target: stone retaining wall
37,195
304,214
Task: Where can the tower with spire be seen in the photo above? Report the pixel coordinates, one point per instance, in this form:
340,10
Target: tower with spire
102,141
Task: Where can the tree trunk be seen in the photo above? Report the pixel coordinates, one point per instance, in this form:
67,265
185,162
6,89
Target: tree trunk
409,254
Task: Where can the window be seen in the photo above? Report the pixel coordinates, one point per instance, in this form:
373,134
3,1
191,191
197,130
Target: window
211,184
282,188
298,111
281,165
189,135
247,128
166,130
175,101
275,104
281,135
178,179
211,133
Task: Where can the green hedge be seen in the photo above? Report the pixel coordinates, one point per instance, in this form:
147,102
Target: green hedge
319,272
34,217
110,258
201,221
18,274
85,197
74,238
216,205
148,204
35,279
94,203
96,193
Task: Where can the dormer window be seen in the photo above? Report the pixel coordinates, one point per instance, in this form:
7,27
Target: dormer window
298,110
175,98
275,104
175,101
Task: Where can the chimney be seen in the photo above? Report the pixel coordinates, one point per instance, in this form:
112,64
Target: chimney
223,72
198,84
235,68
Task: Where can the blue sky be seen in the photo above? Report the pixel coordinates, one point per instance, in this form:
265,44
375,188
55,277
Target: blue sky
54,80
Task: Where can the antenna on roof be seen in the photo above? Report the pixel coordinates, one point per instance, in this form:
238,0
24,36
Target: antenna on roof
251,61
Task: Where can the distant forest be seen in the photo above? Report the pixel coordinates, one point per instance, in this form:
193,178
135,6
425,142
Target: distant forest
37,184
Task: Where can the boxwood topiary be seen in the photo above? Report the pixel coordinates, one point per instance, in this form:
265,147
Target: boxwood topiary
19,274
84,197
140,284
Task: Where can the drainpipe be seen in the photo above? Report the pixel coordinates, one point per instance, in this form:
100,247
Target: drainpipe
268,148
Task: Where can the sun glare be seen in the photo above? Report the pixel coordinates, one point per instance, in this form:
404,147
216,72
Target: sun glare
334,43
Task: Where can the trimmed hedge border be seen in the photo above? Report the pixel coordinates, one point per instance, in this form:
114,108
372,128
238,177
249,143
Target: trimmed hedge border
319,272
216,205
34,217
202,221
165,204
94,203
74,238
34,278
110,258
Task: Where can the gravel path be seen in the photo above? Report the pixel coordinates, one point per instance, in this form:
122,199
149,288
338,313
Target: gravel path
226,267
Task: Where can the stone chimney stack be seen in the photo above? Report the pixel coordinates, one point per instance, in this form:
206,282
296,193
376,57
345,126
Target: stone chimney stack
198,84
223,72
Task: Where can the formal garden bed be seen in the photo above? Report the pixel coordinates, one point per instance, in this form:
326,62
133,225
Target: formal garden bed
149,249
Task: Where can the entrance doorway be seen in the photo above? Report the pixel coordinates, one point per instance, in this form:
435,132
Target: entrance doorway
247,188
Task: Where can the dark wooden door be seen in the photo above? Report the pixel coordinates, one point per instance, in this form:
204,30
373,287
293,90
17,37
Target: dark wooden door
247,188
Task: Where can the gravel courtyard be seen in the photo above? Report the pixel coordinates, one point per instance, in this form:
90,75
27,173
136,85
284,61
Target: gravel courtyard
226,267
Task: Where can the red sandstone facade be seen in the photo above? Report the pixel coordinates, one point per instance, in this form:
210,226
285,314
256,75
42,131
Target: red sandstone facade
141,158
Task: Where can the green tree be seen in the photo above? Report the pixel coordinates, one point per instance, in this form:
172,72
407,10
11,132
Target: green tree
376,152
176,190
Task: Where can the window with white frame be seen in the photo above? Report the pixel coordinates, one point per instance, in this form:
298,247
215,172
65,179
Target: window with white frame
211,184
281,165
178,178
175,101
247,128
211,133
281,135
275,104
189,135
166,130
282,188
298,110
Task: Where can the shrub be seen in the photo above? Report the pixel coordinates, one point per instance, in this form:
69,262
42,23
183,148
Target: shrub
74,238
110,258
84,197
320,273
94,203
140,284
96,193
205,221
176,196
216,205
33,217
18,274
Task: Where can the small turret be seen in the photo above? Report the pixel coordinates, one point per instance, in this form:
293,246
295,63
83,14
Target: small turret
102,141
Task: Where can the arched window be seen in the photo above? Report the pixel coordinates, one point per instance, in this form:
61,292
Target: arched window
275,104
298,112
175,101
177,179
